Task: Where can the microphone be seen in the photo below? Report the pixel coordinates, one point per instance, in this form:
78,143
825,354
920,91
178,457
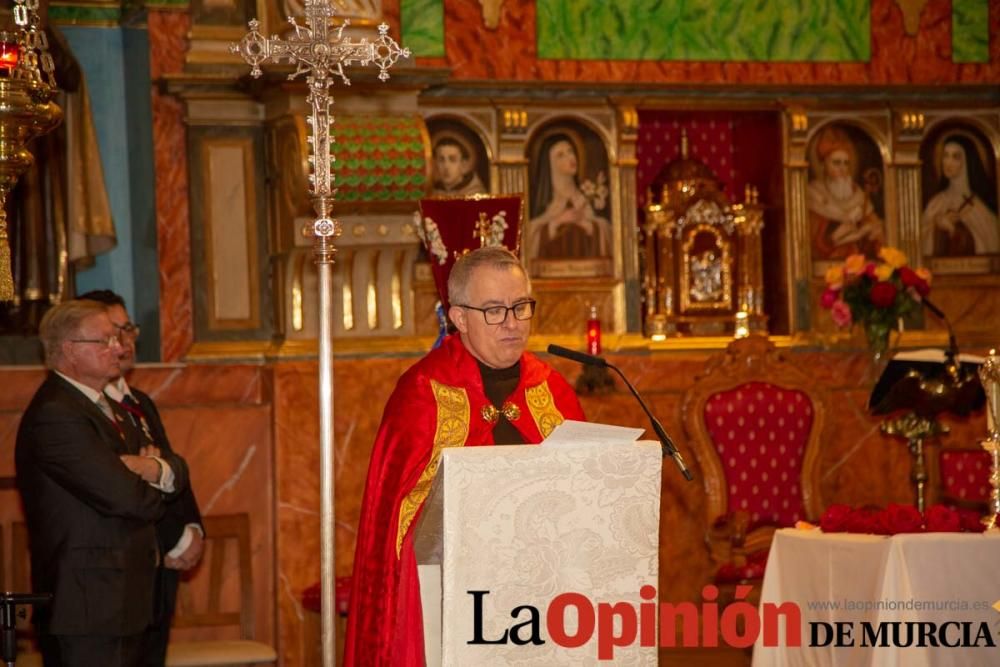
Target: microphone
579,357
591,360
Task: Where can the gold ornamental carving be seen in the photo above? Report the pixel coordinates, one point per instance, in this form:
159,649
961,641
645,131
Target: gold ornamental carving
515,120
27,89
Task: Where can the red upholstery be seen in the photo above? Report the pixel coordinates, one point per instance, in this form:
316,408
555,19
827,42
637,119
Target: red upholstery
760,432
965,474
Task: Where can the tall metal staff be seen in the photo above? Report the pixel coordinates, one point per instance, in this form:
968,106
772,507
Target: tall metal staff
322,54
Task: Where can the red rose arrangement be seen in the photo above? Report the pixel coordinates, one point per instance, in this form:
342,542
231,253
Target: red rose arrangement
874,294
897,519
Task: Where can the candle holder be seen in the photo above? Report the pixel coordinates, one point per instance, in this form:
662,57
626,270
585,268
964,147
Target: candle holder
27,111
594,379
10,53
989,375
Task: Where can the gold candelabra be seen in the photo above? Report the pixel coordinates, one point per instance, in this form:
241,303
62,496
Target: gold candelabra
27,110
989,375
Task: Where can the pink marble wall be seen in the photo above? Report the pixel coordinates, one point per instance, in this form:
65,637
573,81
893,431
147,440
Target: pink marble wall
167,45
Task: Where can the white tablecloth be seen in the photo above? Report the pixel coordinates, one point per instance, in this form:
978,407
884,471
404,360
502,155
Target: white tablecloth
934,577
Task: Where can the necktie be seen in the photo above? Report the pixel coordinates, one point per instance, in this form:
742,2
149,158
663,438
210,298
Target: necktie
131,406
105,405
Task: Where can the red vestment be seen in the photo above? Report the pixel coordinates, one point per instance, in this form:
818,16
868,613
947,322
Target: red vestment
437,403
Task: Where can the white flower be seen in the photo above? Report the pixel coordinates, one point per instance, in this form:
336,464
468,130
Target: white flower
498,226
431,236
596,194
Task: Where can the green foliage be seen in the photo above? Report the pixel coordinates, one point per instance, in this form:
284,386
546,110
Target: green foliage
970,31
423,27
760,30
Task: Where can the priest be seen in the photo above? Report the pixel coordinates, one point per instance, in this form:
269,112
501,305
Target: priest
480,387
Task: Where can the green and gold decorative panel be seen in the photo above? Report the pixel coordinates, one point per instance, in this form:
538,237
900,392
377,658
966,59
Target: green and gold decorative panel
970,31
710,30
380,158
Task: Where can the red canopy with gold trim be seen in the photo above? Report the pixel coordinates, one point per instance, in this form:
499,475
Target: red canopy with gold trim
452,226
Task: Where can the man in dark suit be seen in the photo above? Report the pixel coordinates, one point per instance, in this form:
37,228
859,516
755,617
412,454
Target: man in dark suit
92,492
179,532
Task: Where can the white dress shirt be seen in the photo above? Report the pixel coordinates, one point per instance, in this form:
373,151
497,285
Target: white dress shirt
118,390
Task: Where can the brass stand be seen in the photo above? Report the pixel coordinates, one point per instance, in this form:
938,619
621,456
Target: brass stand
915,429
992,520
989,375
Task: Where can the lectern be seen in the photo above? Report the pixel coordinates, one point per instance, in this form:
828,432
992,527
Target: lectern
507,530
924,384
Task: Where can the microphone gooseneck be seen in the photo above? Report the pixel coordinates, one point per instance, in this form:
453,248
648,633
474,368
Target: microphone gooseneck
952,341
591,360
579,357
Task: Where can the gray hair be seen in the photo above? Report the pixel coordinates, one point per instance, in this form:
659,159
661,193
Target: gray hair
496,257
63,321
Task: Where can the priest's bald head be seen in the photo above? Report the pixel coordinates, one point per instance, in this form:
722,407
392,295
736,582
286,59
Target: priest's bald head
491,305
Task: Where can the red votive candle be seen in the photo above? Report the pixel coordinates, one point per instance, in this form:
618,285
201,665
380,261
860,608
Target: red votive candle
593,332
10,52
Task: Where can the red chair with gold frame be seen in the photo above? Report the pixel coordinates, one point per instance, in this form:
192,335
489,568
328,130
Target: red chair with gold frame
959,477
754,421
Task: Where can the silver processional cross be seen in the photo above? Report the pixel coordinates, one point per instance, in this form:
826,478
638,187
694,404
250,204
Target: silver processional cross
322,53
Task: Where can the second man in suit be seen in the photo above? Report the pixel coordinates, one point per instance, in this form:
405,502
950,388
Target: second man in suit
179,533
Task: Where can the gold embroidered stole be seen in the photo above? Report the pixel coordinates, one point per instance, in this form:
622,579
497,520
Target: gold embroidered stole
452,430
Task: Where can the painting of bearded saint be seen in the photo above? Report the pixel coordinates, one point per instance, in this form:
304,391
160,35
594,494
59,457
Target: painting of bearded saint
960,217
844,217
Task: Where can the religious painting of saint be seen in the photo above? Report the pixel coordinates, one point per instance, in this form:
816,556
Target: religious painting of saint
459,164
570,202
959,194
845,195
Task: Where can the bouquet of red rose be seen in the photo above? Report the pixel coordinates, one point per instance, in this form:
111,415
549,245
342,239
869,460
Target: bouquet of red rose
876,294
897,519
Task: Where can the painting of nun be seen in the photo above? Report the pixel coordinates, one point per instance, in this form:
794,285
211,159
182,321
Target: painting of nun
570,204
960,213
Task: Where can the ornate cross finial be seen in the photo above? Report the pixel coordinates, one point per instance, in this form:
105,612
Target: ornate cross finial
321,54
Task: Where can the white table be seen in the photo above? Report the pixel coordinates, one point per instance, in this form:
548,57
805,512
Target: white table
954,577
